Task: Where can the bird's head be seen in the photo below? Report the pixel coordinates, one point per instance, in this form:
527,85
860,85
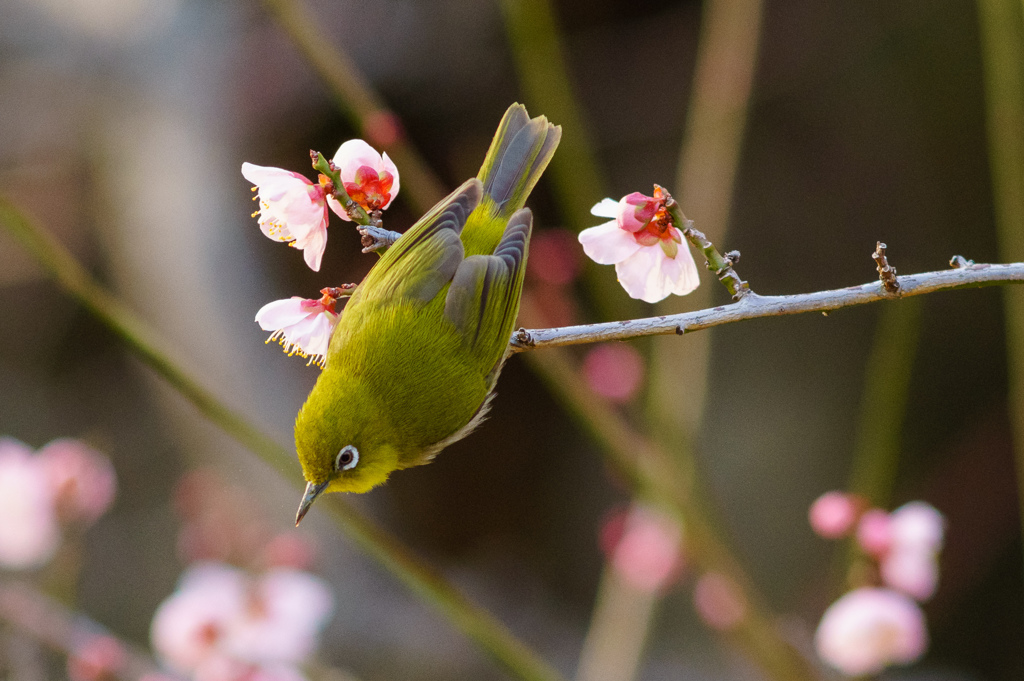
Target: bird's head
339,453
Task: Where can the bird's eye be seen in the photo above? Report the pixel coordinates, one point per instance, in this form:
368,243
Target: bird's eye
347,459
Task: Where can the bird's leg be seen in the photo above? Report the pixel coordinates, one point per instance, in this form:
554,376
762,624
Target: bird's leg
376,238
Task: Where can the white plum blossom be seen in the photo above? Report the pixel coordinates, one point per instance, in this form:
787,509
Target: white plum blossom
370,179
302,326
29,533
650,257
911,563
292,210
222,624
869,629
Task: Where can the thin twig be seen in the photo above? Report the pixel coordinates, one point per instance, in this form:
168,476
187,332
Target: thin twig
754,306
886,272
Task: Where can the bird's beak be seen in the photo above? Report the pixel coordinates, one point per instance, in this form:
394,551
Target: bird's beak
312,492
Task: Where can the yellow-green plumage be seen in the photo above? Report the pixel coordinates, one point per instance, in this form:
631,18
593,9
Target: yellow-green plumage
414,358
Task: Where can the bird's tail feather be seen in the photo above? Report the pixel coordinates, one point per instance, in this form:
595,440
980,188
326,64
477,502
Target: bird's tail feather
519,153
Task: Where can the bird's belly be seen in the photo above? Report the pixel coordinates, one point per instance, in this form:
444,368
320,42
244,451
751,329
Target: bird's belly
422,378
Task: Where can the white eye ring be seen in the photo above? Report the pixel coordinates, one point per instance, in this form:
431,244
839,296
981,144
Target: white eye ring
347,458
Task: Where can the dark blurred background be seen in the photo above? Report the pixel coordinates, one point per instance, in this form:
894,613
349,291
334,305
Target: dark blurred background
123,124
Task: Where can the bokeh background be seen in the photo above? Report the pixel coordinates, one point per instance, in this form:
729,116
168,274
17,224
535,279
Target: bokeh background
123,124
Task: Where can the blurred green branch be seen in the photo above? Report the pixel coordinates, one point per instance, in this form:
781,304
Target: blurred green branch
428,584
1002,52
883,404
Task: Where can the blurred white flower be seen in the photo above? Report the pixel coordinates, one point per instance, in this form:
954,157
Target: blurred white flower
29,534
650,256
222,624
917,526
191,625
869,629
914,572
285,611
371,180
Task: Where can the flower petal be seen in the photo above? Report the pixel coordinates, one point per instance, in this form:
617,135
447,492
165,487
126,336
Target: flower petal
606,208
353,154
281,313
390,168
607,244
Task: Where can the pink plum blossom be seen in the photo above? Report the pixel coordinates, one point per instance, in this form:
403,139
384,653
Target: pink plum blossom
874,532
719,601
833,514
29,534
651,260
82,479
302,326
292,209
614,370
869,629
644,547
223,668
371,180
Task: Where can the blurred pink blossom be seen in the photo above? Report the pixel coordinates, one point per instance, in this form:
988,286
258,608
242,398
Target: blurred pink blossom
371,180
869,629
912,571
719,601
833,514
101,658
191,626
221,618
874,532
651,258
82,479
644,547
917,526
292,209
29,534
302,326
614,370
223,668
289,549
554,257
285,611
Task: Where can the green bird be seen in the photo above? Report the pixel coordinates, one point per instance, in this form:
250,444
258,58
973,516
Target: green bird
412,364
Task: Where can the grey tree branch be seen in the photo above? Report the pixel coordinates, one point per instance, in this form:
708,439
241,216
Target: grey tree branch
754,306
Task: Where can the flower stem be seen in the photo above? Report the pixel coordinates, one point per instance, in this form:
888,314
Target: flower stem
354,210
721,265
425,582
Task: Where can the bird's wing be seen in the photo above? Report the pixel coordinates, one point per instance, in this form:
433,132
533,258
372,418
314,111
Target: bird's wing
483,300
427,256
